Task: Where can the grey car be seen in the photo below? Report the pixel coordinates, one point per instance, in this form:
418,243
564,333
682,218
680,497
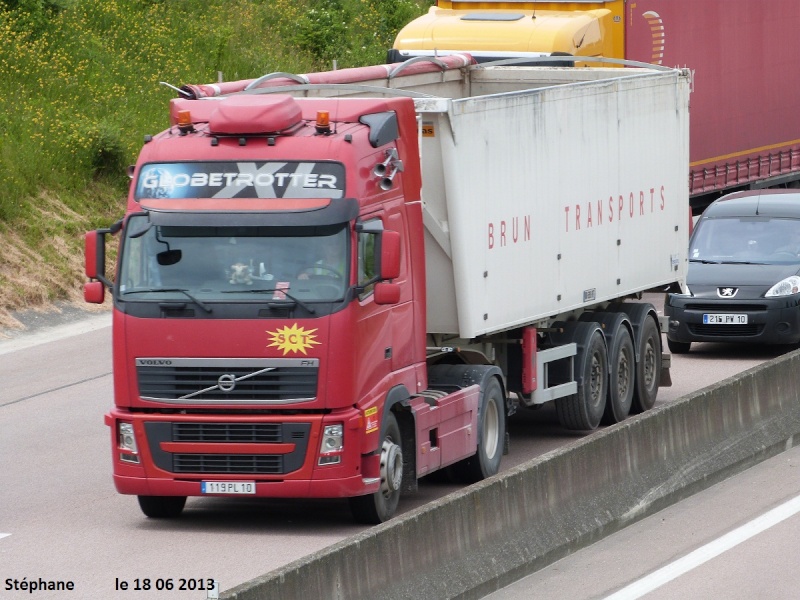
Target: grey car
744,273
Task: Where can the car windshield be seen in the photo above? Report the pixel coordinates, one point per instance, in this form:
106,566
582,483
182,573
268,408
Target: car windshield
226,264
762,240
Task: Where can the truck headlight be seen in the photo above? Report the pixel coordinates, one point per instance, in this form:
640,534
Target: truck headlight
331,445
787,287
126,442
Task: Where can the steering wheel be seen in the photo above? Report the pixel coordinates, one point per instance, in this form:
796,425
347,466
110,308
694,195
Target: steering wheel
329,271
784,253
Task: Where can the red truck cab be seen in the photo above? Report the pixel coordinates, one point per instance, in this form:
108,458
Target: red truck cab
268,308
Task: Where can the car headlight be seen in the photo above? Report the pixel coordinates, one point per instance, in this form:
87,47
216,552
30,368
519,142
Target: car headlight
787,287
685,293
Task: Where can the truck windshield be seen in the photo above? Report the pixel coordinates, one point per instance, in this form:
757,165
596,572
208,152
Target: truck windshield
761,240
224,264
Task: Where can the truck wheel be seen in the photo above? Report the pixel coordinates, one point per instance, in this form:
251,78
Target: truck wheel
622,376
381,506
584,410
648,367
678,347
162,507
492,432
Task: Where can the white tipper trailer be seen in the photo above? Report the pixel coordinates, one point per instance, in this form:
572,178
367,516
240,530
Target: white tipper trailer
553,198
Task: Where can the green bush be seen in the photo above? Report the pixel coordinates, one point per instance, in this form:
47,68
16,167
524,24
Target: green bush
322,30
81,84
31,16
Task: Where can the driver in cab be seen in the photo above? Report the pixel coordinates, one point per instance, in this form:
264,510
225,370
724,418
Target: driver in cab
330,261
791,245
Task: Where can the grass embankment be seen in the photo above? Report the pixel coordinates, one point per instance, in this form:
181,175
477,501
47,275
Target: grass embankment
79,87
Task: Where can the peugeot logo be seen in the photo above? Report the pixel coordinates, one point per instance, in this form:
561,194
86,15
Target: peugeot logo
727,292
226,382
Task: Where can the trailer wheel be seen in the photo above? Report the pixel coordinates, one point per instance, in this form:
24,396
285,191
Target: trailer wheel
648,367
162,507
381,506
584,410
492,432
622,376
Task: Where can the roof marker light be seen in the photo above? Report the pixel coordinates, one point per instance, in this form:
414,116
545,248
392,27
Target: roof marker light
323,122
185,122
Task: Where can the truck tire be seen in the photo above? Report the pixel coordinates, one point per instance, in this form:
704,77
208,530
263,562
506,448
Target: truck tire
376,508
617,327
648,367
491,437
162,507
584,410
622,377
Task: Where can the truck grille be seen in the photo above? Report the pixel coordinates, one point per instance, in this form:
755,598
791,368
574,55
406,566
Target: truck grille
227,381
227,432
260,464
205,462
727,307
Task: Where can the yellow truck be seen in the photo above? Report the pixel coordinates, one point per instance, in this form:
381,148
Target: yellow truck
745,130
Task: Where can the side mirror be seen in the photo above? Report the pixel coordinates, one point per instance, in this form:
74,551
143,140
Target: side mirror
390,254
93,251
386,293
94,292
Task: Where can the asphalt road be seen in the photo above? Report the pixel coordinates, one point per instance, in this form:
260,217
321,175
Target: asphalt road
62,520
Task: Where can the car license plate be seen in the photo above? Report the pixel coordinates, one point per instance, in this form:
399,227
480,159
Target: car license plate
724,319
228,487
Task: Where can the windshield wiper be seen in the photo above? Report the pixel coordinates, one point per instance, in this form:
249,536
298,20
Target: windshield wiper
704,261
310,309
186,293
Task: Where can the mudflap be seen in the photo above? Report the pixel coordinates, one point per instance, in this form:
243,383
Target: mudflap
666,378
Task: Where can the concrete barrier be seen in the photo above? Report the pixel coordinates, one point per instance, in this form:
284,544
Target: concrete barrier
484,537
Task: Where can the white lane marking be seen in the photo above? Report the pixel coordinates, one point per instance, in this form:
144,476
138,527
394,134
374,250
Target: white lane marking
705,553
2,535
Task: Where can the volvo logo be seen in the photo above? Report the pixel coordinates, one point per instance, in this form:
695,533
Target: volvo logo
153,362
226,382
727,292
